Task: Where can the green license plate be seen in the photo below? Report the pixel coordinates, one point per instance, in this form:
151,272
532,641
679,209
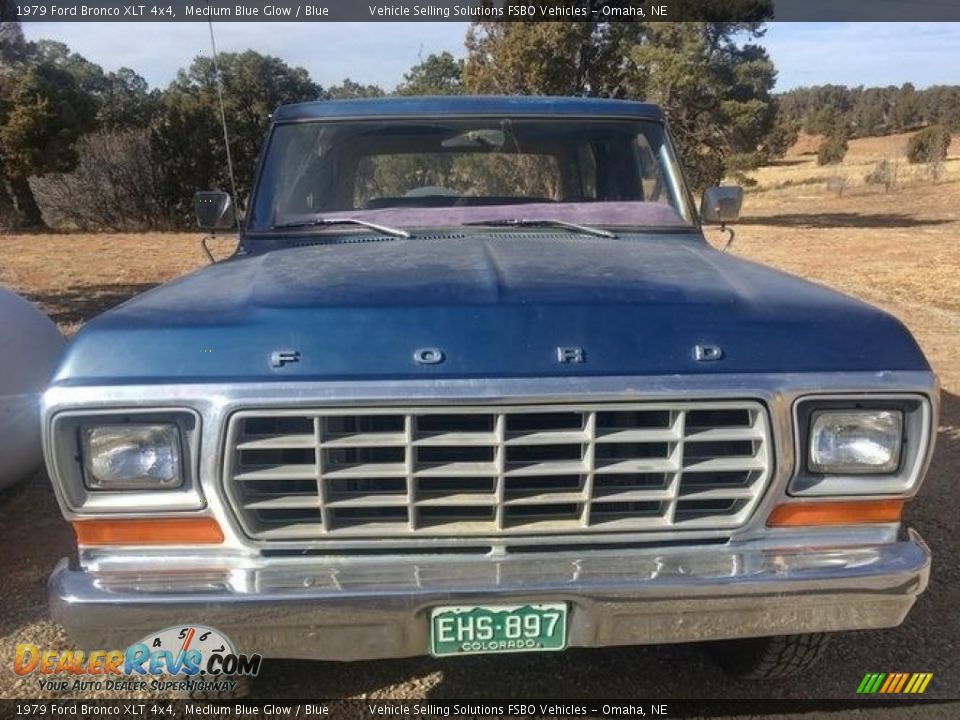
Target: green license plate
473,629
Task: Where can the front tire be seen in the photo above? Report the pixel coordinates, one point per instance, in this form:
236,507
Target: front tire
769,657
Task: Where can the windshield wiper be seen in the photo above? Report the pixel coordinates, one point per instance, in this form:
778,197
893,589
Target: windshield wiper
329,222
546,222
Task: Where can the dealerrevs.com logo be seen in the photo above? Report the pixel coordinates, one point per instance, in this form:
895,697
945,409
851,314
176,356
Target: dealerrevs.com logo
200,659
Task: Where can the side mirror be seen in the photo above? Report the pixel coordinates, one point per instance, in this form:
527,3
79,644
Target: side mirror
721,204
214,211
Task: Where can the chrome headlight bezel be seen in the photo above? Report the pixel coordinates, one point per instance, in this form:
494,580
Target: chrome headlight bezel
70,462
902,480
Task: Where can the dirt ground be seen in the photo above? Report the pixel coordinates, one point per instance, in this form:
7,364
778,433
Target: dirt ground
898,250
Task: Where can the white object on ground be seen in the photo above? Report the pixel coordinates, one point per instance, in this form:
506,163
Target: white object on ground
30,345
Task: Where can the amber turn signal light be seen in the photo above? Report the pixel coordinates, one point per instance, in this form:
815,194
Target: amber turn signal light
835,513
155,531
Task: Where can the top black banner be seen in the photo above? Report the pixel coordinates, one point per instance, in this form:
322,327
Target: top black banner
471,10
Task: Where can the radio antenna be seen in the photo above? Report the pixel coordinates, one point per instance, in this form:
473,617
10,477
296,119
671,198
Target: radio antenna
223,114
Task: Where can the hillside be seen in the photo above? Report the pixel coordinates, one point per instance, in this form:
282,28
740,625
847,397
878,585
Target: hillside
886,147
799,166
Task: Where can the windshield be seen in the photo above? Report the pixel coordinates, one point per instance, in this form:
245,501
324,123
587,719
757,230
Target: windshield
419,173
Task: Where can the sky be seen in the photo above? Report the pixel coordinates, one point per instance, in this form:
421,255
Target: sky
379,53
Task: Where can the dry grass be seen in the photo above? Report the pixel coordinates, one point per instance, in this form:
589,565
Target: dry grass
74,276
799,169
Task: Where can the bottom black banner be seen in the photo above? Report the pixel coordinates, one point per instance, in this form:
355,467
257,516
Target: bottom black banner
372,709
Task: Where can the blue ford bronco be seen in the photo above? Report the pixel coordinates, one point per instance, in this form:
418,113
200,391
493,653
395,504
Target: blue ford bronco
474,382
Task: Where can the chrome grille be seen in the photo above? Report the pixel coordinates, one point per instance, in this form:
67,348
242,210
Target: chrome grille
496,471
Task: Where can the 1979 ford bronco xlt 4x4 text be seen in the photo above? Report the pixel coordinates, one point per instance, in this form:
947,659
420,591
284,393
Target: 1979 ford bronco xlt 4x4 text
474,381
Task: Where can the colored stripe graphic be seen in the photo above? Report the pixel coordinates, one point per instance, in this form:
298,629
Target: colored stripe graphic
892,679
870,683
918,683
903,681
894,683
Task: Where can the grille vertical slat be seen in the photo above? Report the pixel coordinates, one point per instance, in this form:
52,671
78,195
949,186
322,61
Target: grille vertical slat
411,495
589,457
324,490
501,461
490,471
676,477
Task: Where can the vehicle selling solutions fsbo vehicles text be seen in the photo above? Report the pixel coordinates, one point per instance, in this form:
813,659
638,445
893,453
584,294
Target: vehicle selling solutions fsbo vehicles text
430,11
519,11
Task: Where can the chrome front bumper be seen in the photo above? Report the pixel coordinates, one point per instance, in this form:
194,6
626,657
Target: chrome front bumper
365,608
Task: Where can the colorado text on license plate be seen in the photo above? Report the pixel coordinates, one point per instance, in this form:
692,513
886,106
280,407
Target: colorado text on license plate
471,629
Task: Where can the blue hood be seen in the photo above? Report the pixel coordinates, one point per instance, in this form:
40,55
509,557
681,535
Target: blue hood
496,305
